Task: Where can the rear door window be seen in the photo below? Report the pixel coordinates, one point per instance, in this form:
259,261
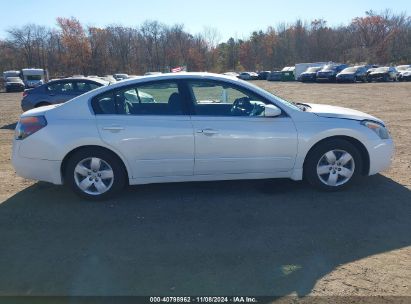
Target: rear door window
160,98
61,88
85,86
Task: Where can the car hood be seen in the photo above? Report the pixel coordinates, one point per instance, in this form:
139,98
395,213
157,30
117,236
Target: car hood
340,112
309,73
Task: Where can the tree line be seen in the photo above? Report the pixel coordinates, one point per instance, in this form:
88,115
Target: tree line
72,48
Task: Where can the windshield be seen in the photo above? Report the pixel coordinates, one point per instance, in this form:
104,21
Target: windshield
34,77
349,70
13,79
381,70
287,103
328,67
403,67
313,69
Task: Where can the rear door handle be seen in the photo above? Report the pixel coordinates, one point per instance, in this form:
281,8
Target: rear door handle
113,128
207,131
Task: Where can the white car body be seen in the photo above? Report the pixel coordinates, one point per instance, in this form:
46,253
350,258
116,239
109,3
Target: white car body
178,148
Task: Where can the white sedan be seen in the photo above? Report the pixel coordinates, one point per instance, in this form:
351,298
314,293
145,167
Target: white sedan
194,127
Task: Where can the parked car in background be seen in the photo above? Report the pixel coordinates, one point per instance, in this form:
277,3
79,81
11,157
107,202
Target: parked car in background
302,67
223,129
232,74
274,76
152,73
405,75
404,67
14,84
309,75
383,74
59,91
352,74
263,75
108,78
120,76
248,76
329,72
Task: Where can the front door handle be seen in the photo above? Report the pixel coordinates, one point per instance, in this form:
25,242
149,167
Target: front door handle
207,131
113,128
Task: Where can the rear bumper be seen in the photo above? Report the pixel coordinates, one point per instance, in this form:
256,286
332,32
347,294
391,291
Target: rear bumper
381,154
15,88
36,169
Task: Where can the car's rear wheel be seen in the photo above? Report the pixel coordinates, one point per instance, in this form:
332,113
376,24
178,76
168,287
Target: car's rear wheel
95,174
333,165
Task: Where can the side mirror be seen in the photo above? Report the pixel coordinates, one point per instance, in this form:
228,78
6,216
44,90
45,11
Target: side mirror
271,111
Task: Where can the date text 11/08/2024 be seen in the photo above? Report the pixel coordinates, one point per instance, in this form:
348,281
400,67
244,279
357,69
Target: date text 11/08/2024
173,299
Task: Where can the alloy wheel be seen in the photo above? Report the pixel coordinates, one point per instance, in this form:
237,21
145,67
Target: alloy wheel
335,168
93,176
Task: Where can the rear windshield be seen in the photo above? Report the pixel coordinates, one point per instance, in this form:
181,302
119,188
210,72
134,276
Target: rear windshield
34,77
13,79
381,70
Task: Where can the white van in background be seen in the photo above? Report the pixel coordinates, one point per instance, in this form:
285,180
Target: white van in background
33,78
7,74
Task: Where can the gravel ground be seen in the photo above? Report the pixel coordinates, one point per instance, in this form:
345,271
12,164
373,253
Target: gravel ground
267,237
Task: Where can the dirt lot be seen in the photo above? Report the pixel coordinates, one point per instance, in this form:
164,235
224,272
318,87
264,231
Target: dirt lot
271,237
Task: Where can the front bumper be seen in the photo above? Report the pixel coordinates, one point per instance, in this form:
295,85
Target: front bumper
325,78
381,153
404,78
36,169
307,78
345,79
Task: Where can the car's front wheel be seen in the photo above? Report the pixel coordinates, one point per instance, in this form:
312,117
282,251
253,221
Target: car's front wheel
333,165
95,174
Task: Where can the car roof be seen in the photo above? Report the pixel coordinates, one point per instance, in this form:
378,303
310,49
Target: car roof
174,76
79,79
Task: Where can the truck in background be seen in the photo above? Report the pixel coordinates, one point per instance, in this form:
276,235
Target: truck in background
11,74
33,78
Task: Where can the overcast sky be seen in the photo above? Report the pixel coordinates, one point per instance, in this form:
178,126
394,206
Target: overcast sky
237,18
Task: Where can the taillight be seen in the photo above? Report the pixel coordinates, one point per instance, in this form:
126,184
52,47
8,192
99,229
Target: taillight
29,125
25,93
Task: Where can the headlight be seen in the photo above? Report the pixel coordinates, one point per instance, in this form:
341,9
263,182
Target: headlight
378,128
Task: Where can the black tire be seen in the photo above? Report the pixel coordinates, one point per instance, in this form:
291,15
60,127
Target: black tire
318,151
119,172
